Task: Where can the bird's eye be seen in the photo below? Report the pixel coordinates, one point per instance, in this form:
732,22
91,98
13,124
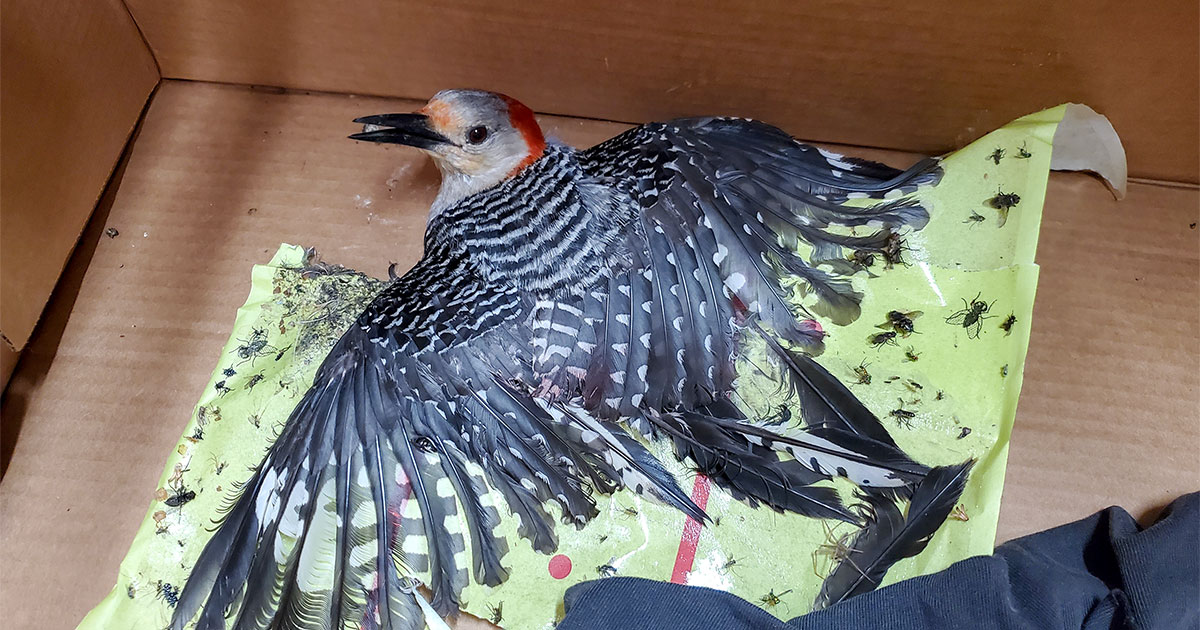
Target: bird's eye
477,135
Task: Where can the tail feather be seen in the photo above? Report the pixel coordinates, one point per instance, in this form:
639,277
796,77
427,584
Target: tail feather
889,537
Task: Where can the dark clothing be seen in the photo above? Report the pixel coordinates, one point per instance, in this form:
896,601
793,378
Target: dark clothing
1103,572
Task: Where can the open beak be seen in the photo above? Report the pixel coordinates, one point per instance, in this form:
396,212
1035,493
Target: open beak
412,130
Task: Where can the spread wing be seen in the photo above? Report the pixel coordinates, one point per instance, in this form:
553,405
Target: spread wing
754,195
385,468
719,209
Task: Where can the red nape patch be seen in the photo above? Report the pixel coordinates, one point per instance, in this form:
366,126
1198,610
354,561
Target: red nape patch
522,119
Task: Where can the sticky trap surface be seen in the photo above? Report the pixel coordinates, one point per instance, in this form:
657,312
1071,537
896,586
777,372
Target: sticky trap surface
961,390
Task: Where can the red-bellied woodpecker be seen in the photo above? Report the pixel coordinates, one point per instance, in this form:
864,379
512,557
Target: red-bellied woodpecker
565,297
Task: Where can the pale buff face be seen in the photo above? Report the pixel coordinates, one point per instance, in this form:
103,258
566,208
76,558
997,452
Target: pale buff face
477,139
485,147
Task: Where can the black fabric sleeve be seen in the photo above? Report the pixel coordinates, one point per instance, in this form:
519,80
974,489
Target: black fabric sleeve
1102,572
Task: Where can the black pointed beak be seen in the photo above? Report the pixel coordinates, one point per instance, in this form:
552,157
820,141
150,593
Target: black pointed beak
412,130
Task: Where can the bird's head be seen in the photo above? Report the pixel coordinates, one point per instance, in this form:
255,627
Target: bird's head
477,139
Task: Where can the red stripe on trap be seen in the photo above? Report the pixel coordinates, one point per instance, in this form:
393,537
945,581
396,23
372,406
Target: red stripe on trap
691,534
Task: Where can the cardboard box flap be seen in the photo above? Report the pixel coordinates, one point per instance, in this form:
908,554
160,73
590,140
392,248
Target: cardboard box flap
920,76
75,78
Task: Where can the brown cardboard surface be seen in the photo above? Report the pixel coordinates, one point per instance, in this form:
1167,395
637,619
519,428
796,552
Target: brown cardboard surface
1110,407
75,77
220,175
922,76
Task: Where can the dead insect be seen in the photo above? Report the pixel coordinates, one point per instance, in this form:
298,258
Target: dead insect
860,259
279,355
864,377
424,444
254,347
1007,324
783,415
603,537
903,416
221,388
496,613
836,548
975,219
893,250
964,432
218,465
891,379
629,512
1004,202
111,232
912,385
207,414
880,340
254,380
1023,153
911,354
727,567
131,590
1004,371
229,371
959,513
167,593
197,434
772,599
996,155
940,395
971,316
900,321
181,496
606,570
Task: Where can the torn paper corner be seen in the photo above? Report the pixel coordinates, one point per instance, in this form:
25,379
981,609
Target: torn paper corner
1086,141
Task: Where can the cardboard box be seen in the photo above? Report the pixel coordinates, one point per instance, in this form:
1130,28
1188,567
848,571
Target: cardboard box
221,172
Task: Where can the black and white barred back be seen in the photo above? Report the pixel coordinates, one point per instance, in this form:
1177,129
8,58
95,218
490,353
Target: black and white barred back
593,292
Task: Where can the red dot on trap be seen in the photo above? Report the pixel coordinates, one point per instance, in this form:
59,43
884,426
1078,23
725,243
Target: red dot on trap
560,567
